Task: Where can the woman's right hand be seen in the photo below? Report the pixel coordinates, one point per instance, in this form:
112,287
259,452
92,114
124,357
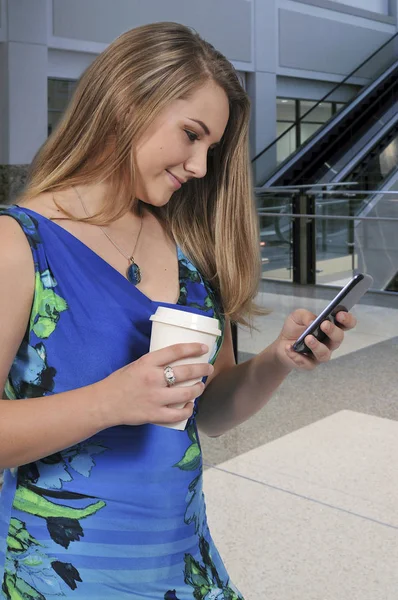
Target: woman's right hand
138,393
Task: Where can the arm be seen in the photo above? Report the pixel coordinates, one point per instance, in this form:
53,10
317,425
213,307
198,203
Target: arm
33,428
234,393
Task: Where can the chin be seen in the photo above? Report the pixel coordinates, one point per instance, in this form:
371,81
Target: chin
156,200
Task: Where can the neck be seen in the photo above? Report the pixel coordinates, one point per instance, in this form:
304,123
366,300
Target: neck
95,196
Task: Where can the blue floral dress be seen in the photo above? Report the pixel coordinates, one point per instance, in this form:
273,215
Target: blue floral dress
122,514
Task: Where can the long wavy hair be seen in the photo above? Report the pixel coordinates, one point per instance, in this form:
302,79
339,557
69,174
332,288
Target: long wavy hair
213,219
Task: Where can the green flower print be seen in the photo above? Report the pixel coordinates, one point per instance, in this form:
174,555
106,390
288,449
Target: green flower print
30,375
28,569
191,461
204,579
30,574
192,457
47,306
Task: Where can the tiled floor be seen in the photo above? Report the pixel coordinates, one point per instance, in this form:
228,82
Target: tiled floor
303,498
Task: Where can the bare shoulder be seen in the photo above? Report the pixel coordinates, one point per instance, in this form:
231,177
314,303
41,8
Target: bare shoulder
42,204
14,246
16,265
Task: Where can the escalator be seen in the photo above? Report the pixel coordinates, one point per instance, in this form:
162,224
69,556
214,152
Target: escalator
359,145
338,141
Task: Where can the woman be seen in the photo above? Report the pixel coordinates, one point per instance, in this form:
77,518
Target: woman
140,198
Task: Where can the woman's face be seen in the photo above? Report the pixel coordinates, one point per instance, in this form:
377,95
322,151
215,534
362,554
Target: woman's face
174,148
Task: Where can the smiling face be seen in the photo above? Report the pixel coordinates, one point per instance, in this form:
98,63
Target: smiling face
174,148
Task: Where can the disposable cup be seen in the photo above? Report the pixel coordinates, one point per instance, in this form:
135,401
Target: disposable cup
171,326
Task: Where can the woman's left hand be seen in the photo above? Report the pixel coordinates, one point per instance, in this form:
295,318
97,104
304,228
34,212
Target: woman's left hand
295,324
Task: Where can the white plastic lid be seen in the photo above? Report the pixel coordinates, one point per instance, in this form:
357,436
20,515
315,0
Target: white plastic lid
182,318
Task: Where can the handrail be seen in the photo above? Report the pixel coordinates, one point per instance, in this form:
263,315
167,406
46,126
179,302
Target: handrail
308,185
292,189
324,217
276,140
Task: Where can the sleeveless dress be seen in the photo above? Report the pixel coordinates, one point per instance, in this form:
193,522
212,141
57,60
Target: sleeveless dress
122,514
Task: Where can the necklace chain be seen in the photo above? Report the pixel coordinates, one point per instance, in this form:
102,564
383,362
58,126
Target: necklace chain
129,258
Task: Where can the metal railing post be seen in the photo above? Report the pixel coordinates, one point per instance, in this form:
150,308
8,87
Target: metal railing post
234,329
304,239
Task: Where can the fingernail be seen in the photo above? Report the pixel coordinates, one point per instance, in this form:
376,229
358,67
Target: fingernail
343,317
205,348
211,369
311,342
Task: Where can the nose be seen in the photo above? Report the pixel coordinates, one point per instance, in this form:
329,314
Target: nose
197,164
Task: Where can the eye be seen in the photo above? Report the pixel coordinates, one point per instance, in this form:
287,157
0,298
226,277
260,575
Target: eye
191,135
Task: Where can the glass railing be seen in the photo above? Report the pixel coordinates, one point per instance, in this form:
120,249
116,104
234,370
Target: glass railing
276,235
265,163
347,231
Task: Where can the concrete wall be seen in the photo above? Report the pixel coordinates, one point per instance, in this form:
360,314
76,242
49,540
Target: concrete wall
224,23
315,43
321,43
2,21
371,9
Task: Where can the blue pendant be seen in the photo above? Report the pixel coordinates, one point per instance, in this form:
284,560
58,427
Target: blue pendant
134,274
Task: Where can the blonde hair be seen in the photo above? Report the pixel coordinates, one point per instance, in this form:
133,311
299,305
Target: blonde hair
213,219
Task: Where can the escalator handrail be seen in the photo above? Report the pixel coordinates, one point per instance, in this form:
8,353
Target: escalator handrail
336,87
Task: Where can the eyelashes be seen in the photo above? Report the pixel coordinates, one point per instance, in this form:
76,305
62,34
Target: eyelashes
191,135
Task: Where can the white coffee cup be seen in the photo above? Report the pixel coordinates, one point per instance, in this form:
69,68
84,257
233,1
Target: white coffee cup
171,326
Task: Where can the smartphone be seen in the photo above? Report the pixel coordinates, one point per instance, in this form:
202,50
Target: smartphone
344,301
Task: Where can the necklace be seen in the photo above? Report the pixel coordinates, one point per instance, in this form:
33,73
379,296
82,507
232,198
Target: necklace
133,271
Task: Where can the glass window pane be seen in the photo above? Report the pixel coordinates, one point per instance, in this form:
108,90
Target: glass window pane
285,109
59,94
307,130
287,144
53,118
320,114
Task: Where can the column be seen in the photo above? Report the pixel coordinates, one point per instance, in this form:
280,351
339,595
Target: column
23,97
262,84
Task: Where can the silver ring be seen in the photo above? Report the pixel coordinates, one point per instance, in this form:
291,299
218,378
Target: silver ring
169,376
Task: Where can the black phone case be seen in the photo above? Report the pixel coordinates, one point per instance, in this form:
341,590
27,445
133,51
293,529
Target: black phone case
343,301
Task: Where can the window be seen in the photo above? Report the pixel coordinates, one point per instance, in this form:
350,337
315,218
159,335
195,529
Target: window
59,93
286,118
292,115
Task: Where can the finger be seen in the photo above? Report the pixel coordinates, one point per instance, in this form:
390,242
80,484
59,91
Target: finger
346,320
181,395
301,361
320,351
170,354
170,415
335,335
184,373
303,317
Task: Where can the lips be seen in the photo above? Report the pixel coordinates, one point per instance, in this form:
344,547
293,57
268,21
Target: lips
175,180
